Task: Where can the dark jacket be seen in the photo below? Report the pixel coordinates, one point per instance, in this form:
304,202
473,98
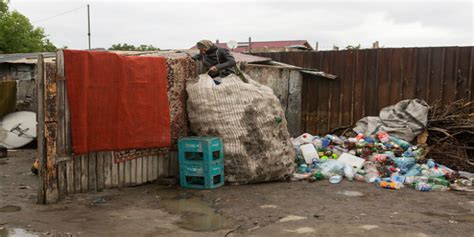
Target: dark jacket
219,57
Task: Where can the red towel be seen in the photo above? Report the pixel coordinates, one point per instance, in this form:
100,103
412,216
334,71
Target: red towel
116,102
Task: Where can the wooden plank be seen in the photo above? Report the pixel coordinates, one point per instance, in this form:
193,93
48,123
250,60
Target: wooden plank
50,133
41,151
133,173
422,73
395,92
127,171
150,169
335,65
371,83
77,173
121,175
436,75
92,172
161,165
145,169
60,102
139,170
450,76
463,73
70,176
383,79
174,164
84,173
156,167
345,111
107,169
359,84
409,73
100,171
62,183
166,160
60,64
67,122
114,172
324,99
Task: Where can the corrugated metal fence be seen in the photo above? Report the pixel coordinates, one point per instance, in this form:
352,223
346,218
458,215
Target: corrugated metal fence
370,79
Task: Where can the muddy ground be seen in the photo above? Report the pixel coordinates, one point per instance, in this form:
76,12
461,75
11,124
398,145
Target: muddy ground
271,209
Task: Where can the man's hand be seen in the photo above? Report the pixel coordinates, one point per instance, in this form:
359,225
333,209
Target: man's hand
213,69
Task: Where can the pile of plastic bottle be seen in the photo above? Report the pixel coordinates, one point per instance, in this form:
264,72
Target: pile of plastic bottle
381,159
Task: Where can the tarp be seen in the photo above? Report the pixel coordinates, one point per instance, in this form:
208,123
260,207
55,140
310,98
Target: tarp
116,102
7,97
406,120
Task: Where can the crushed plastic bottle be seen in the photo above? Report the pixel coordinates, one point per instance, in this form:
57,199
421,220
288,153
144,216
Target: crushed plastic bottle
303,139
335,179
371,172
390,184
383,136
424,187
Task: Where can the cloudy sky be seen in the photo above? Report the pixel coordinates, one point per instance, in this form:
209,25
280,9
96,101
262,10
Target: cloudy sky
167,24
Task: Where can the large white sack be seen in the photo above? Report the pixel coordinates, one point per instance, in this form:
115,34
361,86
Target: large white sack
250,120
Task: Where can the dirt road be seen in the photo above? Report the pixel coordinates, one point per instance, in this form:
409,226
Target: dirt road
271,209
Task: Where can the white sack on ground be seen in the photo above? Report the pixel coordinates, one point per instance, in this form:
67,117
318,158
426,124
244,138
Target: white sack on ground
406,120
250,120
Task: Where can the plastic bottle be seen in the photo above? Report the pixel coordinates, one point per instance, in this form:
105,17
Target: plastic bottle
349,172
335,139
424,187
318,143
335,179
371,172
359,136
318,175
402,143
439,188
415,170
390,185
439,181
430,163
303,139
383,136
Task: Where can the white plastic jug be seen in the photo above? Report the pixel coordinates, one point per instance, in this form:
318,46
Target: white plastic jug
309,153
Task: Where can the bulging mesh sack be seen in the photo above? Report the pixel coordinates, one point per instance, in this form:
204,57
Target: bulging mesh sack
250,120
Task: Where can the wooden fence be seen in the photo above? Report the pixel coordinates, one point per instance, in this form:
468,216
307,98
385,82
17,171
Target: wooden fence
370,79
62,173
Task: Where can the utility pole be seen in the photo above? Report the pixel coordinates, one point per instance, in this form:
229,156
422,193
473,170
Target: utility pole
250,44
89,26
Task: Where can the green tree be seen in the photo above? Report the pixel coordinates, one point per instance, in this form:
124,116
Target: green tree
18,35
129,47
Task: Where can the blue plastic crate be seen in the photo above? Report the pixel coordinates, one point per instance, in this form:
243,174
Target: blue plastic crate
201,162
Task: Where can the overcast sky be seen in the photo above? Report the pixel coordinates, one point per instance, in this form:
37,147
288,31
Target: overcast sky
167,24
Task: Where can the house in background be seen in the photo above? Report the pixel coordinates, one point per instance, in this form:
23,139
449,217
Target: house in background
268,46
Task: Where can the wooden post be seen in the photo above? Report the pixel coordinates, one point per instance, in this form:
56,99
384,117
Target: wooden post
316,46
41,153
47,132
375,45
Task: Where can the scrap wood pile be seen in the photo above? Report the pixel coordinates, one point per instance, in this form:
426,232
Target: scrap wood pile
451,134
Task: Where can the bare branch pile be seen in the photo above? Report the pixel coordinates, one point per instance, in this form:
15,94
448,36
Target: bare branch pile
451,134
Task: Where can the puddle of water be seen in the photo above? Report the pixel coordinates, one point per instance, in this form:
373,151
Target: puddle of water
16,232
196,214
10,208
